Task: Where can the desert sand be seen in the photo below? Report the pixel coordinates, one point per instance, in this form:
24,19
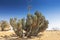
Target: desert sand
46,35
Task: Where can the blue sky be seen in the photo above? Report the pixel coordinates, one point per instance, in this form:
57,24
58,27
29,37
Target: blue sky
18,8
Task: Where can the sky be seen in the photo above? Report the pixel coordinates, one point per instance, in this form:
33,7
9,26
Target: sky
19,8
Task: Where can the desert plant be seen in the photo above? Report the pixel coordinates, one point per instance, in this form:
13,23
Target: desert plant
35,23
5,25
32,25
17,26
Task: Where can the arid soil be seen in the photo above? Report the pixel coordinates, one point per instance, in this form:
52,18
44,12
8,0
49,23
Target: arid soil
47,35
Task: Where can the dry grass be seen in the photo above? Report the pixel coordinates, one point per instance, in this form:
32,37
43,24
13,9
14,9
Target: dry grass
47,35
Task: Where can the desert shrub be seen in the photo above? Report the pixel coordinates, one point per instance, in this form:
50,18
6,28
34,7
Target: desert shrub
17,26
32,25
35,23
5,26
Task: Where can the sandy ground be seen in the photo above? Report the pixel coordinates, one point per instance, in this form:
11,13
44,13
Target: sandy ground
51,35
47,35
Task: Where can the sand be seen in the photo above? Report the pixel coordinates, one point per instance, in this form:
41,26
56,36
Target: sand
46,35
